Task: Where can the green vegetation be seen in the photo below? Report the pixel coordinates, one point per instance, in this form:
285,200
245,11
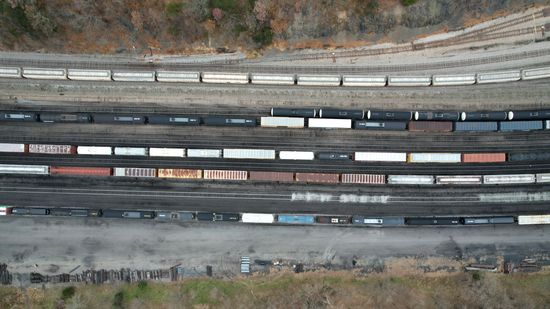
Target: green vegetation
207,291
476,275
68,293
225,5
173,8
408,2
264,36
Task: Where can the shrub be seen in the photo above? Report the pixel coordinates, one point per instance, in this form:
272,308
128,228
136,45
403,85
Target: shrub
264,36
68,292
173,8
408,2
118,300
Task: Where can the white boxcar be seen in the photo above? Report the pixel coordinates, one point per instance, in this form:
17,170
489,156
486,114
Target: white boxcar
135,172
544,177
265,154
6,147
534,219
535,73
364,81
498,77
509,179
272,79
94,150
257,218
134,76
458,180
167,152
381,156
453,80
225,78
427,157
204,153
296,155
178,76
24,169
131,151
10,72
286,122
409,80
318,80
328,123
410,179
44,73
100,75
225,175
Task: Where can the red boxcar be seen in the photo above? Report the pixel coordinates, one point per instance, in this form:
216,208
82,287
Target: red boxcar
431,126
272,176
318,177
77,170
483,157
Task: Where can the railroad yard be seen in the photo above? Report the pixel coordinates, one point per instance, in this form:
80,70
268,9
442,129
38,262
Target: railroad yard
196,168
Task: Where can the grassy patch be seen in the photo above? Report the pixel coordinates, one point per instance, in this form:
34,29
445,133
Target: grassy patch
408,2
208,291
173,8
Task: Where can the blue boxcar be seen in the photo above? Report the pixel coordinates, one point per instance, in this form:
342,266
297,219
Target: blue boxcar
520,125
296,219
476,126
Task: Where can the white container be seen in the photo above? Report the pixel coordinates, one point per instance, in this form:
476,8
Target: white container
381,156
318,80
453,80
99,75
427,157
204,153
225,78
543,177
135,172
10,72
272,79
498,77
410,179
24,169
264,154
94,150
178,76
364,81
409,81
44,73
285,122
6,147
537,219
134,76
329,123
257,218
130,151
458,180
225,175
296,155
509,179
167,152
535,73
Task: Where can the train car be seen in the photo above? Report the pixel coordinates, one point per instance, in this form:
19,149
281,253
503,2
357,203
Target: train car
272,79
180,173
225,77
135,172
364,81
282,122
5,210
174,119
529,156
24,169
459,180
89,75
225,216
492,157
296,155
18,148
380,125
293,112
528,125
94,150
80,171
52,149
317,177
205,216
10,72
328,123
342,113
409,81
498,77
167,152
535,73
117,119
30,211
547,124
439,116
256,154
225,175
410,179
432,221
333,219
378,221
509,179
333,156
204,153
65,118
134,76
178,76
533,219
431,126
380,156
44,73
131,151
18,116
453,80
529,115
389,115
128,214
318,80
271,176
476,126
258,218
69,212
488,220
543,177
295,219
375,179
427,157
483,116
228,121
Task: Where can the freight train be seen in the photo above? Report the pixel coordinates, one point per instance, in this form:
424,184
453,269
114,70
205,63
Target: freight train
413,121
283,219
